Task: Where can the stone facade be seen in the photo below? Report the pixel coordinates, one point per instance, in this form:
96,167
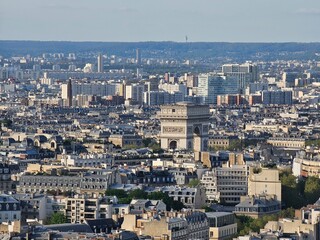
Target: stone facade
222,225
266,181
184,126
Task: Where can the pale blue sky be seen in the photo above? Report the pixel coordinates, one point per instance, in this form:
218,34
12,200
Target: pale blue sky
161,20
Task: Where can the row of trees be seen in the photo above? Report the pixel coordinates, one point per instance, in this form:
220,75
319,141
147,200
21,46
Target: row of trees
297,193
126,197
248,224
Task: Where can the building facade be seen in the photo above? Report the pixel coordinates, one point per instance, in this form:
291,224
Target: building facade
265,181
222,225
212,85
226,184
287,142
9,209
184,126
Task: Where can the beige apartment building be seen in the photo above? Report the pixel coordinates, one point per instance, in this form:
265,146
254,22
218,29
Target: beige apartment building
287,142
222,225
264,182
189,225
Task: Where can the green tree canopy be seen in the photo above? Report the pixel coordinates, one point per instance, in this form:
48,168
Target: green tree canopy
176,205
119,193
312,189
194,182
57,218
138,194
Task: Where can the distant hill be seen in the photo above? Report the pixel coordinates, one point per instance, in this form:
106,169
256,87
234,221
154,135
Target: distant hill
196,50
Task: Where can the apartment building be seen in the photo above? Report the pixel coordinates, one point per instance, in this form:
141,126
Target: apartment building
226,184
264,181
287,142
222,225
81,207
91,182
194,198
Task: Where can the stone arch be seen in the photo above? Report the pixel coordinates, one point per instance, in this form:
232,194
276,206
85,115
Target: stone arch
173,144
53,145
197,130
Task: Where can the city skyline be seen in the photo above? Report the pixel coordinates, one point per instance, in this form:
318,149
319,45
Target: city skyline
135,21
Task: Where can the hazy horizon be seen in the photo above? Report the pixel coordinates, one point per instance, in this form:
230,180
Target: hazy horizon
231,21
160,41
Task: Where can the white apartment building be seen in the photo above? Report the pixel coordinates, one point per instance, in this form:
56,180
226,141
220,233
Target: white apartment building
171,88
87,160
134,92
226,184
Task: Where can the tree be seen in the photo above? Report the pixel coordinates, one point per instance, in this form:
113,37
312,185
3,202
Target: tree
287,213
157,195
67,142
248,224
161,196
315,142
292,187
125,200
147,141
312,189
235,145
6,122
119,193
176,205
207,209
156,148
57,218
138,194
194,182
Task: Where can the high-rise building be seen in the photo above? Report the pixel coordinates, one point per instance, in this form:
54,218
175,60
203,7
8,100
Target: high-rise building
72,67
69,97
100,63
88,68
67,93
138,56
134,92
289,78
212,85
173,88
192,80
277,97
72,56
256,87
245,73
152,98
56,67
95,88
